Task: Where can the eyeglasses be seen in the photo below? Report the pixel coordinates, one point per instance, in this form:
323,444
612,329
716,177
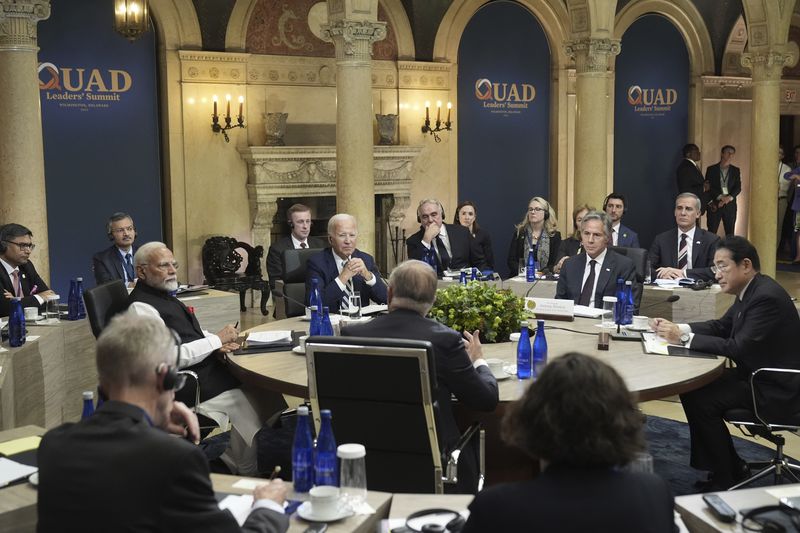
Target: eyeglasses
165,265
125,229
23,245
535,209
720,268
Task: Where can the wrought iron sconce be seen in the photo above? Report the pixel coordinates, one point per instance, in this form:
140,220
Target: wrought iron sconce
426,127
131,18
216,127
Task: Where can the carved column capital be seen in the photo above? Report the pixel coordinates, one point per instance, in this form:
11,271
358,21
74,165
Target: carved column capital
767,65
353,39
18,20
591,55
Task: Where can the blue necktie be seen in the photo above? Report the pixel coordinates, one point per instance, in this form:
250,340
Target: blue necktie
129,267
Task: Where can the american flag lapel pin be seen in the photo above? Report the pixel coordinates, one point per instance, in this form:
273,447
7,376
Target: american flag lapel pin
608,269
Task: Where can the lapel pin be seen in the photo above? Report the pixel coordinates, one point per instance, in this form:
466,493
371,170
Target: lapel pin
608,269
698,242
23,276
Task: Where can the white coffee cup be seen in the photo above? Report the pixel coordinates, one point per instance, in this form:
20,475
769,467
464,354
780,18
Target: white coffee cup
302,342
31,313
324,500
640,322
496,366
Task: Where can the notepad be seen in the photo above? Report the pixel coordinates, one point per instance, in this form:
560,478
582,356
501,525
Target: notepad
269,337
12,471
239,505
19,445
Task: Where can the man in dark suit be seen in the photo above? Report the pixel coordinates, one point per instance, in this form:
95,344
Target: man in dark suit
452,244
460,367
686,251
725,182
690,178
761,329
18,277
202,352
298,217
586,278
621,235
342,269
120,470
116,261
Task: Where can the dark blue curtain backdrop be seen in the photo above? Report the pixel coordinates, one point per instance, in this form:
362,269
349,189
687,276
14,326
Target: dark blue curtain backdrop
503,114
651,117
101,141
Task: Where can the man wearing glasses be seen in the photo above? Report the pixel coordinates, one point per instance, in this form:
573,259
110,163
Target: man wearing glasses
202,352
761,329
116,261
18,277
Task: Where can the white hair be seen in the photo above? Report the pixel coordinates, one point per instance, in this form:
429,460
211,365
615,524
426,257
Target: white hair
145,251
338,218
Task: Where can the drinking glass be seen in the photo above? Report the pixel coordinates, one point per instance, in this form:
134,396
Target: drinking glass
523,266
353,309
353,474
642,462
607,320
51,309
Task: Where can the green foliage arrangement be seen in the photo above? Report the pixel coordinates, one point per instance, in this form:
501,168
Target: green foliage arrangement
496,313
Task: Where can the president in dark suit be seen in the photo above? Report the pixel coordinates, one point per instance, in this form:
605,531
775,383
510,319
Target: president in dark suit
689,177
580,440
686,251
342,269
452,244
460,367
298,217
761,329
587,277
725,182
18,277
120,470
621,235
116,261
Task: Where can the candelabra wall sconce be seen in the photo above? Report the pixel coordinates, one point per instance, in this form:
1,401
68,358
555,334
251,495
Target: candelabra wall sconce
426,127
216,127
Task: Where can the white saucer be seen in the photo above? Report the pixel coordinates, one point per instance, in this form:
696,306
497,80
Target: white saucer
33,479
38,318
501,377
306,512
299,350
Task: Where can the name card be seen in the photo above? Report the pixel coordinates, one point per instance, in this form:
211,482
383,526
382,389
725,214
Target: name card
554,308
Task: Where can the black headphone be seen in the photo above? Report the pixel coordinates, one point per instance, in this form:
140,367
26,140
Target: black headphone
770,525
455,525
172,379
423,202
545,205
616,196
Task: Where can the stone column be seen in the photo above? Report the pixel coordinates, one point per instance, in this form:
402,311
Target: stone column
22,189
766,67
591,120
353,27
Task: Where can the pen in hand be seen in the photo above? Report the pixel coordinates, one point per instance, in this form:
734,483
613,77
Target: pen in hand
275,472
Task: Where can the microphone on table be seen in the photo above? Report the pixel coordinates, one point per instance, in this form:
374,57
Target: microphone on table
636,336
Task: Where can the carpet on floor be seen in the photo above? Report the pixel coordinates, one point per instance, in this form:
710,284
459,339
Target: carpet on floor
668,442
787,267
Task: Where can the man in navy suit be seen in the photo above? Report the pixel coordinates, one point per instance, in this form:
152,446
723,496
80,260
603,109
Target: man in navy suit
586,278
760,330
686,251
298,217
453,245
614,206
461,370
690,178
18,277
116,261
725,182
342,269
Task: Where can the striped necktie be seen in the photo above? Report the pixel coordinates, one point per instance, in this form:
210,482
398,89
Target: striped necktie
683,252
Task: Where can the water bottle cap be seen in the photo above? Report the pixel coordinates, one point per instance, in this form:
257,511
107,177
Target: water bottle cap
325,413
302,410
351,451
88,395
523,323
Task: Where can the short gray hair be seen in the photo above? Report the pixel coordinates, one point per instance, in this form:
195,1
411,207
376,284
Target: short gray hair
340,217
413,285
142,255
602,217
130,349
116,217
689,195
430,201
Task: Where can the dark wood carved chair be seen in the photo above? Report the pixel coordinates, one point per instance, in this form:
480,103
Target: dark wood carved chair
221,261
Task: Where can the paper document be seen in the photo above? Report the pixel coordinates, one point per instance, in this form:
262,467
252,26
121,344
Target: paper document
239,505
655,344
12,471
588,312
667,283
20,445
269,337
248,483
373,308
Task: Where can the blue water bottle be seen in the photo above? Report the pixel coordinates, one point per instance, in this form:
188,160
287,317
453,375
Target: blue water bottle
79,290
314,303
88,404
539,349
16,324
629,305
463,277
325,326
303,452
619,308
72,300
524,352
530,266
474,275
326,468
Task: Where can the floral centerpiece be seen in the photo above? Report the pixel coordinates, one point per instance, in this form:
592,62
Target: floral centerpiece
495,312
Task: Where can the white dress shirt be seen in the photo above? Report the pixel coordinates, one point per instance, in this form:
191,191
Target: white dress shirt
615,233
445,241
296,242
601,257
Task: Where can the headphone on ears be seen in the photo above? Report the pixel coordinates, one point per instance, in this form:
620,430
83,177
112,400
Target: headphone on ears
624,203
291,224
172,380
441,209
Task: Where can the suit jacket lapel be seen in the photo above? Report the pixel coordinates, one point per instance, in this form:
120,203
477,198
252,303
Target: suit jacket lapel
604,276
116,260
673,249
5,279
698,248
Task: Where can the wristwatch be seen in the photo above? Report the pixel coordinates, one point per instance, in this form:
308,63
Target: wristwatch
685,338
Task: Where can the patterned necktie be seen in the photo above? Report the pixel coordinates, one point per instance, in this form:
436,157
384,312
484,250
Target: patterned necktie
303,245
16,284
444,257
348,290
129,267
586,292
683,252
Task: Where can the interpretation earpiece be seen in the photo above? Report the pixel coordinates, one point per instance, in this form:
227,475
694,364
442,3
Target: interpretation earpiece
170,376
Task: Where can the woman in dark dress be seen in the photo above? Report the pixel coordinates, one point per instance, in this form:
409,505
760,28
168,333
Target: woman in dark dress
466,215
583,426
572,244
536,230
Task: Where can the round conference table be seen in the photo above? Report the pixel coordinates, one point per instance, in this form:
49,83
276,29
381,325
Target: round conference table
650,376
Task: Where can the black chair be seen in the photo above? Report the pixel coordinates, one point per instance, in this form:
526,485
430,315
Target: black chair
103,302
292,288
766,419
396,423
639,258
221,262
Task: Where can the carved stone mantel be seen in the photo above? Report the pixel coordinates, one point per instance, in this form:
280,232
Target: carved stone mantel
285,171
